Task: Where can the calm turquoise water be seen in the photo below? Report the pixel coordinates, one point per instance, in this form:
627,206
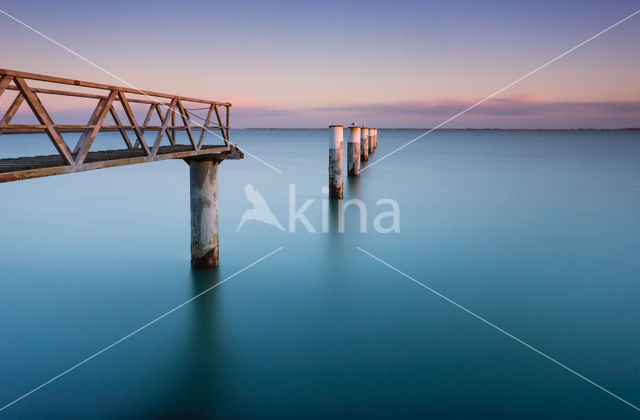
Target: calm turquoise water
538,232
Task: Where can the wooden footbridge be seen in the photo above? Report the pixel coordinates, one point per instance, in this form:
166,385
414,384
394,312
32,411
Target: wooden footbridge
175,113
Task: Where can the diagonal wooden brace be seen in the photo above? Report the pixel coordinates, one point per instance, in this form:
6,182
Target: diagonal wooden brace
89,135
165,124
41,114
132,120
186,122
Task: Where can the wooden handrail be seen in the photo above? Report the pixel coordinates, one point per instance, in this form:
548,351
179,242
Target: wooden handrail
72,82
171,110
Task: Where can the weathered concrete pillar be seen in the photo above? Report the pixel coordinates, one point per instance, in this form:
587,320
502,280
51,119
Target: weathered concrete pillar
364,143
204,213
335,161
371,139
353,151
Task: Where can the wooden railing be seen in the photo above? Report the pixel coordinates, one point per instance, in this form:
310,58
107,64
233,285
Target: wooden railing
172,111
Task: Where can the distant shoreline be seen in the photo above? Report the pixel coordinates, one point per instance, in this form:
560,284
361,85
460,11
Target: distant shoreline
456,129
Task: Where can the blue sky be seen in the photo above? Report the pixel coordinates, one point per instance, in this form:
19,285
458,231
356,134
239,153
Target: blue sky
298,64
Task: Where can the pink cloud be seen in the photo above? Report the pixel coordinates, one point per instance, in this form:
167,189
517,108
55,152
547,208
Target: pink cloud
517,111
522,111
529,105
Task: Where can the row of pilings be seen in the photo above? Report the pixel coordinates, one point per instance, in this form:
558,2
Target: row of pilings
362,142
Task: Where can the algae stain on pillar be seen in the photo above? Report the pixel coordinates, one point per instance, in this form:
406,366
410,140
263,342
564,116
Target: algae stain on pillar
204,213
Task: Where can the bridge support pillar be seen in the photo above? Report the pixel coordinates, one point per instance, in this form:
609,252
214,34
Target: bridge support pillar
353,151
204,213
335,161
364,143
375,138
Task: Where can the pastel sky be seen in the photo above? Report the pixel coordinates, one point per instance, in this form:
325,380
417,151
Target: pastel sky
383,63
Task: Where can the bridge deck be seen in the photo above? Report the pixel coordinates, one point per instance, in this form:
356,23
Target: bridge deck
38,166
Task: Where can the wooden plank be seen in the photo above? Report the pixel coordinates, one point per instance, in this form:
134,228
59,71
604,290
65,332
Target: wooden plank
85,95
38,109
220,124
147,118
185,120
227,124
132,120
167,119
62,80
173,130
87,138
4,83
90,124
82,158
121,128
13,108
28,128
169,133
204,127
108,159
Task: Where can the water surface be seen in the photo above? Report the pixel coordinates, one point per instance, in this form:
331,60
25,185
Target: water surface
535,231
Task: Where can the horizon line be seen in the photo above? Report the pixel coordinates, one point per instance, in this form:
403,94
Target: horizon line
451,129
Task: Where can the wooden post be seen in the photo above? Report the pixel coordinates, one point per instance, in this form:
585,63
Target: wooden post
353,151
364,143
335,161
371,139
375,138
204,212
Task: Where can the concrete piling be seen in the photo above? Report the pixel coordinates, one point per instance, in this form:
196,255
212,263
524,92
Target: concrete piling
353,151
364,143
335,161
371,140
204,213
